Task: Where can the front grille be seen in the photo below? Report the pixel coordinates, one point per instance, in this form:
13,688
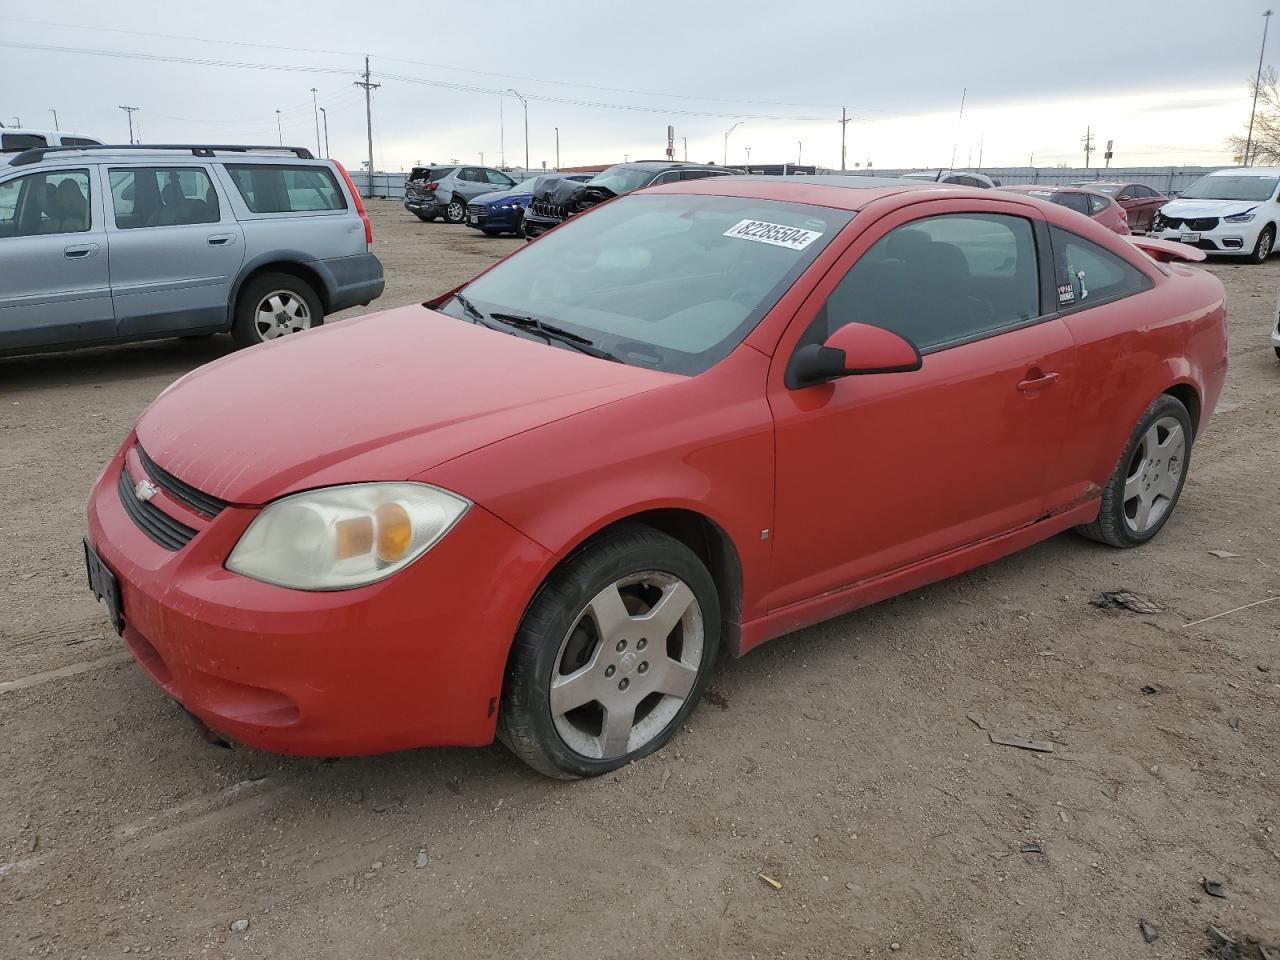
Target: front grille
153,521
1200,224
202,503
476,210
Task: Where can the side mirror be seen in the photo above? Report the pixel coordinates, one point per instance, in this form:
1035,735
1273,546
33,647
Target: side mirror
853,350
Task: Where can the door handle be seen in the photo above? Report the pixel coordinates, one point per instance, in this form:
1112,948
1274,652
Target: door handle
80,251
1037,381
221,239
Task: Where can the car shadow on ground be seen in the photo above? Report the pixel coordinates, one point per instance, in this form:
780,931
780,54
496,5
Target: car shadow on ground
112,364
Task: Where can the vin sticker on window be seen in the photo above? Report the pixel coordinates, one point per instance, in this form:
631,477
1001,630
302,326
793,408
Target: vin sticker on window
778,234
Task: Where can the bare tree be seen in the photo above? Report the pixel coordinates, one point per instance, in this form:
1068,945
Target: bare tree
1266,124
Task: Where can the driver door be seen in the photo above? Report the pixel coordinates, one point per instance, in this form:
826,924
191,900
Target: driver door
878,472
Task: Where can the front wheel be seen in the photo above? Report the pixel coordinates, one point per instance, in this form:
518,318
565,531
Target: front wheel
1262,249
1142,492
274,305
612,655
426,217
455,212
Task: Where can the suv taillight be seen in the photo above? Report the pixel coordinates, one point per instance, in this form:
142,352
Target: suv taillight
433,185
364,216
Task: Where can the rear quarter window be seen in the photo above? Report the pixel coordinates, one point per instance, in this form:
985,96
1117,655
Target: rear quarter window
11,142
281,188
1089,275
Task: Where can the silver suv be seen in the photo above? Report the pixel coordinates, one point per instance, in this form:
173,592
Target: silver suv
432,192
104,244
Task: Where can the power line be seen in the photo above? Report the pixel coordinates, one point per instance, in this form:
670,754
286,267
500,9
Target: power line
437,66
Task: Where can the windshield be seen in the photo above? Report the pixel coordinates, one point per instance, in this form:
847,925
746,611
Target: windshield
669,282
1232,188
526,186
620,180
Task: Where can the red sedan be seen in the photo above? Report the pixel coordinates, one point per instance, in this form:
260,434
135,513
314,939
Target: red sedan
1097,206
1140,202
693,419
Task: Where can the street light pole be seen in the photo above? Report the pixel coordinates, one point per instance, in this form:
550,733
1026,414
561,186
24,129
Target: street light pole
557,148
279,129
315,109
799,151
524,103
1248,143
325,114
726,141
55,118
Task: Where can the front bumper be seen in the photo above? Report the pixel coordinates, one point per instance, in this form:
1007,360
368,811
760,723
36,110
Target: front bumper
414,660
1226,239
497,219
535,226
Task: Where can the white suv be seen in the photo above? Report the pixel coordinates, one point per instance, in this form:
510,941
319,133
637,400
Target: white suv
1232,212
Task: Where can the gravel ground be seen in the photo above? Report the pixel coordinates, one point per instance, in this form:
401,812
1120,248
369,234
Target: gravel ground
840,761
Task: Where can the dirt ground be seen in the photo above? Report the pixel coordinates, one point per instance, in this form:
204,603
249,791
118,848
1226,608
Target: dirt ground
841,761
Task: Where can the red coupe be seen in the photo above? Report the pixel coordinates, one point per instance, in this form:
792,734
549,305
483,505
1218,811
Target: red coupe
693,419
1097,206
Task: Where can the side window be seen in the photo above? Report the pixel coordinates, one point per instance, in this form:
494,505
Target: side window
10,142
1097,205
671,176
280,188
695,174
78,142
1079,202
498,178
1089,274
40,203
162,197
469,175
942,280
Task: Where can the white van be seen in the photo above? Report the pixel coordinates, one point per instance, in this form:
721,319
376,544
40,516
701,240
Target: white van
14,140
1233,211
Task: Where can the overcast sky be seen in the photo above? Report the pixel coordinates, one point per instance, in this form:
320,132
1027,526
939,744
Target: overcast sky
1167,82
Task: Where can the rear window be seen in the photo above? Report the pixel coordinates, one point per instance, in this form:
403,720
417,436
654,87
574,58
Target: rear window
430,173
12,142
278,188
79,142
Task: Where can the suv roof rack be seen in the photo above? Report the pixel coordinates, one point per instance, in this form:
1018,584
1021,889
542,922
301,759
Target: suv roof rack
36,154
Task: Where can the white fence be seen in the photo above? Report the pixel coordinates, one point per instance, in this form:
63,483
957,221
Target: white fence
1168,180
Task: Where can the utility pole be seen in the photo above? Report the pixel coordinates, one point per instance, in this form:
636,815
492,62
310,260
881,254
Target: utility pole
525,104
726,141
844,129
482,158
799,151
129,111
325,114
279,129
315,109
368,116
748,156
502,134
982,138
686,148
55,118
959,120
557,148
1248,143
1087,140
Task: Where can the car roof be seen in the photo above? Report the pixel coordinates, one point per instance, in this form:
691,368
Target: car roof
665,165
168,152
1048,188
823,190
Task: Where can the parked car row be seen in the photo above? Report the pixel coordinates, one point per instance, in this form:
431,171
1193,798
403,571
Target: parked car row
104,244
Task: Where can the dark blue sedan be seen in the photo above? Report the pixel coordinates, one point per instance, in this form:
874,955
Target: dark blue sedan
503,212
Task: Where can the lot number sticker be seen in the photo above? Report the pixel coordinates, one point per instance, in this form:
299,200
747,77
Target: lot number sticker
778,234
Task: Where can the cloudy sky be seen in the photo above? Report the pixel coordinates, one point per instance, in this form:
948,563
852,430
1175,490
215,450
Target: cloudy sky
1166,82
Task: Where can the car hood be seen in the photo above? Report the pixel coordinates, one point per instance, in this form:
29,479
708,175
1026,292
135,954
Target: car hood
1207,208
504,196
382,397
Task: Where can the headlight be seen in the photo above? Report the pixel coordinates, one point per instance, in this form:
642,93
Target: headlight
1238,218
337,538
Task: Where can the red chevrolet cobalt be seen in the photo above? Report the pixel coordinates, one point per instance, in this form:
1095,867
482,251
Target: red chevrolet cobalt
693,419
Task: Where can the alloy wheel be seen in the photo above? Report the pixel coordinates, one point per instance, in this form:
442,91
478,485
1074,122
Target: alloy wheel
279,313
627,665
1155,472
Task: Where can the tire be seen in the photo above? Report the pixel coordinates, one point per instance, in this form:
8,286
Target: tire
1277,353
1150,474
296,300
584,621
456,211
492,233
1262,249
426,217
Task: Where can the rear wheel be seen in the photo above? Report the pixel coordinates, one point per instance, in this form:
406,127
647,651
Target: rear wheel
1262,249
426,217
612,655
274,305
456,211
1142,492
492,233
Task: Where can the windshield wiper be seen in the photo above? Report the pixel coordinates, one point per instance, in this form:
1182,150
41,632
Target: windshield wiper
474,312
552,332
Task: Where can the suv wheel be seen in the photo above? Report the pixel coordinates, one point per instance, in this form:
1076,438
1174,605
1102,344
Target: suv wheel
274,305
1262,249
426,217
456,211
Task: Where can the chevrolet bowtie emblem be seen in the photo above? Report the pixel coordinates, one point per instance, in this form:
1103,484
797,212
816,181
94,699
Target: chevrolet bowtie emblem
144,490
